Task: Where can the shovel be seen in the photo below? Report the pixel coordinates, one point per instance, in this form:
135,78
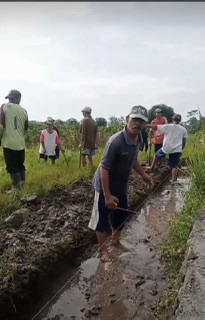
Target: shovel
80,159
149,157
65,158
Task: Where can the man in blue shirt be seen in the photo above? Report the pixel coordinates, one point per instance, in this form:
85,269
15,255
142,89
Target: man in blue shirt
111,179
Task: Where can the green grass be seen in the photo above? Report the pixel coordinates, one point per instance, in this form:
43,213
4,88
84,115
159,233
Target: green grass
174,248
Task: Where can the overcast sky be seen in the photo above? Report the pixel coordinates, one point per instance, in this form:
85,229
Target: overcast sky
63,56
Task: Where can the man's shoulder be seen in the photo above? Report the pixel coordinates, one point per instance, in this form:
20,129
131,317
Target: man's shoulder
116,137
181,128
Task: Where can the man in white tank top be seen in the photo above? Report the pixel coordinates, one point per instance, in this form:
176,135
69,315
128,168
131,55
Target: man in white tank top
49,139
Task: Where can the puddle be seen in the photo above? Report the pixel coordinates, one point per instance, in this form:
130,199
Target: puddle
129,287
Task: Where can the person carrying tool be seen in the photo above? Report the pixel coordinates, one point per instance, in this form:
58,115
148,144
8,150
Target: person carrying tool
49,139
158,137
57,130
174,142
111,179
89,137
14,123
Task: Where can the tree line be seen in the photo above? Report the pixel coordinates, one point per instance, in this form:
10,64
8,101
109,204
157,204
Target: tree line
70,135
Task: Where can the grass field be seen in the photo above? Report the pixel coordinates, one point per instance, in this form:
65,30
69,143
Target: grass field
41,176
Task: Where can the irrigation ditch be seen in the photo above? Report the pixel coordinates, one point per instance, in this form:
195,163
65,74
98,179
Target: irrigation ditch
47,242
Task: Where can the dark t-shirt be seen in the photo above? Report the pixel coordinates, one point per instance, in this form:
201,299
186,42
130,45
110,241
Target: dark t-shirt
88,129
118,157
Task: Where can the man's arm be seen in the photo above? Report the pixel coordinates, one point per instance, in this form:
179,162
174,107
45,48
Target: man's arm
110,200
137,167
183,143
58,142
26,125
42,138
152,126
82,132
2,116
97,140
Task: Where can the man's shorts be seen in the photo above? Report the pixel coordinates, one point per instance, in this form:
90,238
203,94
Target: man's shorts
102,217
88,152
44,156
157,146
173,157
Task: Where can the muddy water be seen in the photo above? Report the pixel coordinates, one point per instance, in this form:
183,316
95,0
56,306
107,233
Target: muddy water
129,287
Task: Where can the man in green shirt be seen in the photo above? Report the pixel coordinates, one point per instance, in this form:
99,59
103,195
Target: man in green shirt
14,122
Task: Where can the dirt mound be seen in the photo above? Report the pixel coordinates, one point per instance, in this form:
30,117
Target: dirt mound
49,229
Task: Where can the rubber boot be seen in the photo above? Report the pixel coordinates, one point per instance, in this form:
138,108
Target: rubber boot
22,175
16,179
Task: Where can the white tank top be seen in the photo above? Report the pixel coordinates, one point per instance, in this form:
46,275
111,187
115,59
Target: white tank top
49,142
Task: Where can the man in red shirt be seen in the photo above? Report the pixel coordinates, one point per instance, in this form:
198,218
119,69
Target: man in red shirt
158,137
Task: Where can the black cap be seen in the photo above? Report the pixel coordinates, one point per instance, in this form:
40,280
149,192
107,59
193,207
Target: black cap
177,117
13,94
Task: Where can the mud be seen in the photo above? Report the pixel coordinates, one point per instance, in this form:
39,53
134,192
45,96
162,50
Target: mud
48,235
131,286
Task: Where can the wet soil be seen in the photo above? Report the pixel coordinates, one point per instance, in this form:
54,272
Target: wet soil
131,285
47,237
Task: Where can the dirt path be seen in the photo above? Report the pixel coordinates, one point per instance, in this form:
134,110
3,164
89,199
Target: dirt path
129,287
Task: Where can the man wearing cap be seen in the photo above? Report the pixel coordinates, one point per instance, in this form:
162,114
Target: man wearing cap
14,120
111,179
89,136
158,137
174,142
49,139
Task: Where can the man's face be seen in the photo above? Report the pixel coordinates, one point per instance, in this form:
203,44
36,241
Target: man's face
135,125
49,126
158,115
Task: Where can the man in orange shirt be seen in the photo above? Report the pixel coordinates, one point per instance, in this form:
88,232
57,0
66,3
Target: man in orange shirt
158,137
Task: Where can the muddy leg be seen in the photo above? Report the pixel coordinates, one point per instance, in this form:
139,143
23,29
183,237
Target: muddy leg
174,175
154,162
116,240
104,254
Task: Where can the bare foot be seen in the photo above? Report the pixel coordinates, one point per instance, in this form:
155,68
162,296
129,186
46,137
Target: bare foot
105,256
119,245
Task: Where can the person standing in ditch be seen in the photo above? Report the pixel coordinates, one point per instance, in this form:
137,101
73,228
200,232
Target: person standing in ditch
174,142
158,136
111,179
14,121
49,139
89,137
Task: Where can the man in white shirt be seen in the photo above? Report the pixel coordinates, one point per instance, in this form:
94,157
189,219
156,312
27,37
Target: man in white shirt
174,142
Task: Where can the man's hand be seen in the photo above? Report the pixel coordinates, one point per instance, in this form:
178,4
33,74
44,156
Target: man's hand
111,201
148,180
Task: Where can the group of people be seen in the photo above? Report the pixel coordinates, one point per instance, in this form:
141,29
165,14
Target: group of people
119,158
